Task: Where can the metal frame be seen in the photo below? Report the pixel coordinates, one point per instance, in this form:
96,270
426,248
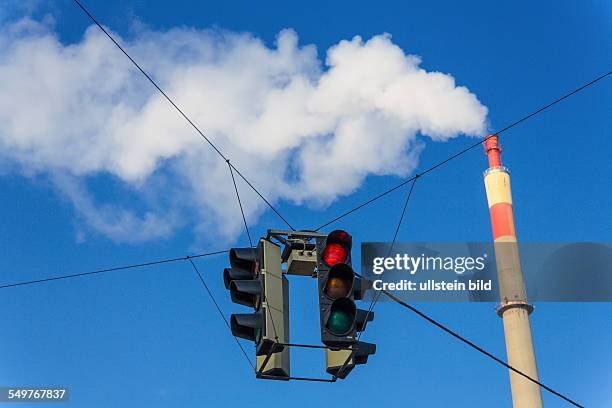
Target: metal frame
292,240
278,234
275,346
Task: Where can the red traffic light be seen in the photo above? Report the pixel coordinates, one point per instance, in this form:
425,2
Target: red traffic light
337,247
334,254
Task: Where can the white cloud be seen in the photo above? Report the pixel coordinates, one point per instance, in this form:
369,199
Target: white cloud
80,110
119,224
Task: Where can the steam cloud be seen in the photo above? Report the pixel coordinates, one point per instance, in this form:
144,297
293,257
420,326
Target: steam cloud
75,112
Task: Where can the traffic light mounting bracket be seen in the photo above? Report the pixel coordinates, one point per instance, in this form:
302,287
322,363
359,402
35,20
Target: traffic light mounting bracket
299,253
331,379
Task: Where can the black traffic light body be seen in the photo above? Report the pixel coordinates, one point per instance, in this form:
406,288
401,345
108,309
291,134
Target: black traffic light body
243,279
255,279
338,288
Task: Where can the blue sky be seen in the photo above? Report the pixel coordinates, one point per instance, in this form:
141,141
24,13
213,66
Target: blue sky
151,337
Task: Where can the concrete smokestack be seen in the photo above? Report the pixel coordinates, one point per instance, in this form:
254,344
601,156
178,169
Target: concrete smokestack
514,308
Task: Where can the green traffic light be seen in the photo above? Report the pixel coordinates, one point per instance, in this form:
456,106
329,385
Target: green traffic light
339,322
341,318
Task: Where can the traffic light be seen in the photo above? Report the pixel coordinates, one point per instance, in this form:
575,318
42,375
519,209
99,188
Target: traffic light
340,319
255,279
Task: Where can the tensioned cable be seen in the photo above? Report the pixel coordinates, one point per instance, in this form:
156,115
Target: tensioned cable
391,296
119,268
140,265
378,294
95,21
476,347
347,213
435,322
246,226
212,297
399,224
262,197
467,149
418,312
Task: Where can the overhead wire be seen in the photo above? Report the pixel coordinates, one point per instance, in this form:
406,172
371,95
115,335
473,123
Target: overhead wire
477,347
378,294
246,226
232,167
212,298
465,150
399,224
100,271
179,110
423,315
188,258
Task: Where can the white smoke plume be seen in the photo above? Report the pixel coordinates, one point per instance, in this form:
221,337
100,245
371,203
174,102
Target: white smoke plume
78,112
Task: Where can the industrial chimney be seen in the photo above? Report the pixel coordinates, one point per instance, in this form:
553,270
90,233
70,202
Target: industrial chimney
514,308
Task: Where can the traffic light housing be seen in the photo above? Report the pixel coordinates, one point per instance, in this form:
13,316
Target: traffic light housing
255,279
338,288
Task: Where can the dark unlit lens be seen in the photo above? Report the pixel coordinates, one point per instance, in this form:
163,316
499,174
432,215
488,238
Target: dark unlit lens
337,288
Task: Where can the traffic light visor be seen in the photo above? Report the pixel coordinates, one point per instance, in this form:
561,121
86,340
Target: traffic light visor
244,258
246,292
230,274
246,326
